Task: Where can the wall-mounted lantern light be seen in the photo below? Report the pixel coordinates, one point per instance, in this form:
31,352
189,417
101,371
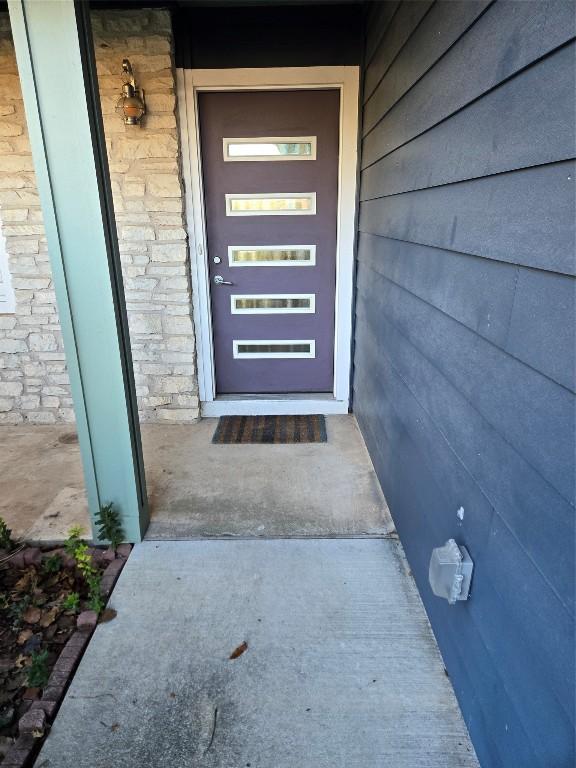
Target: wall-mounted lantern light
131,105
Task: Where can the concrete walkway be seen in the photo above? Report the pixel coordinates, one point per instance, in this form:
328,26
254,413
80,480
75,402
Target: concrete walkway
341,670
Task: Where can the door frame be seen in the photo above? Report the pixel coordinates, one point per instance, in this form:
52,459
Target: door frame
189,83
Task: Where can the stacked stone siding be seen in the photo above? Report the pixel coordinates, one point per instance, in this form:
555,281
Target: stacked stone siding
148,200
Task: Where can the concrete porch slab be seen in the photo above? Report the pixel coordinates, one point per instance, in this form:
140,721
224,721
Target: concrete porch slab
69,508
41,482
200,490
341,670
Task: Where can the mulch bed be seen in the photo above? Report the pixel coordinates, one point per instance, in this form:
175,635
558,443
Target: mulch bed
34,621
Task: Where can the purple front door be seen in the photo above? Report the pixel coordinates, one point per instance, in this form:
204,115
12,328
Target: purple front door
270,173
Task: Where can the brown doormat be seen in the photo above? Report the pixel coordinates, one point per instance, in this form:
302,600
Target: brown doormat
270,429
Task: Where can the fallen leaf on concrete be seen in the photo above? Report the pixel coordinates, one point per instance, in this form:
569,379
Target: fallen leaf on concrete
239,651
108,614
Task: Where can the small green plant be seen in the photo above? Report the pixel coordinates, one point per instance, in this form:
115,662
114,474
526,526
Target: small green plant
79,551
6,541
38,671
110,525
71,602
91,577
74,538
52,564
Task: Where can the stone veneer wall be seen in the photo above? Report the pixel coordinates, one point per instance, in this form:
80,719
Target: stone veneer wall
148,200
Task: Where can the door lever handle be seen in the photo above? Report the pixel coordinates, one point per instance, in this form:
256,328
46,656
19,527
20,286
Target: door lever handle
219,280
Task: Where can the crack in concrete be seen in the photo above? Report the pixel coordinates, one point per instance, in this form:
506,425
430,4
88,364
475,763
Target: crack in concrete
213,733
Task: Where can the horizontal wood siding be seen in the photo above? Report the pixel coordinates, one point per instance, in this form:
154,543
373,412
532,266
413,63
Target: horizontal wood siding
464,343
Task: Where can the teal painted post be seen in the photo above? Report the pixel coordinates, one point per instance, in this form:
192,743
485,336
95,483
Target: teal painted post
55,58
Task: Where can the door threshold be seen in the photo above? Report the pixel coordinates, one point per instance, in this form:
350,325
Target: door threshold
274,405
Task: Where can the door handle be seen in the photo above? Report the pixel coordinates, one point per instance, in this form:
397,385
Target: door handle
219,280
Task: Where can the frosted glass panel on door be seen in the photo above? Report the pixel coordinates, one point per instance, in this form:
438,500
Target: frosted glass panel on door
271,204
274,348
280,304
270,148
272,255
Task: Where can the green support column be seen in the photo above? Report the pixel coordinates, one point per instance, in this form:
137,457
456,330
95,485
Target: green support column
55,57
